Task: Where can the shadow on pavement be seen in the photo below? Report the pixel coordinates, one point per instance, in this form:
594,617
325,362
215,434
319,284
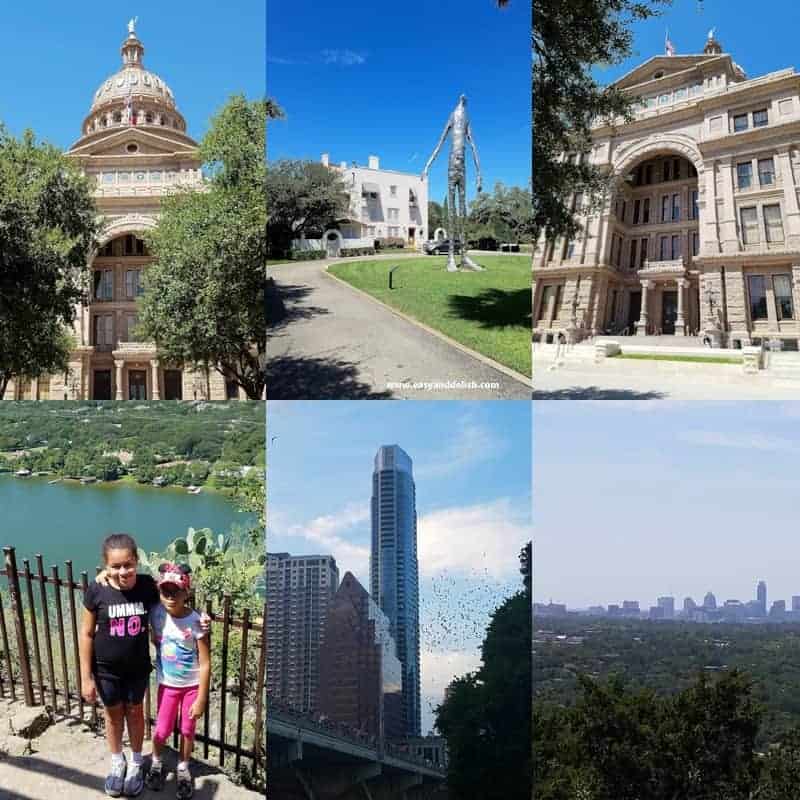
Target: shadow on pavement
284,305
595,393
92,784
290,378
495,308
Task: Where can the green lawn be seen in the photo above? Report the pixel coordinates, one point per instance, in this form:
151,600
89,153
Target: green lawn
668,357
487,311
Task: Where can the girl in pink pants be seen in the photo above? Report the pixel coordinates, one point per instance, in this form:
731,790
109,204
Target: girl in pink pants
184,673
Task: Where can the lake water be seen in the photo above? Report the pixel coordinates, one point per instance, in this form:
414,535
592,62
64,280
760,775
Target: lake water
66,520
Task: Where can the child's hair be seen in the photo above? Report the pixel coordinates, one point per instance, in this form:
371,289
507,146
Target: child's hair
119,541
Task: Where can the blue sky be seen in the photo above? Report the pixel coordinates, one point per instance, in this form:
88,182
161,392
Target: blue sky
381,79
636,500
754,37
472,473
53,57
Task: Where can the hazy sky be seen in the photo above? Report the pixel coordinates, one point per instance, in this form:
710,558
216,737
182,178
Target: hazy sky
472,473
381,79
637,500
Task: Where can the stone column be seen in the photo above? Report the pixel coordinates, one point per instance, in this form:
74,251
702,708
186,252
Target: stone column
790,204
641,325
118,380
680,324
156,392
728,235
600,306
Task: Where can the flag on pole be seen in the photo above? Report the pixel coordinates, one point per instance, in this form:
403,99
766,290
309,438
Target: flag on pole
668,46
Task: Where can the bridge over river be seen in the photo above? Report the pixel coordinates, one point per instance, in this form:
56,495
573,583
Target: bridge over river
309,760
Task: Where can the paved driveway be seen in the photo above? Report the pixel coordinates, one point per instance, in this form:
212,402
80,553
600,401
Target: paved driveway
333,343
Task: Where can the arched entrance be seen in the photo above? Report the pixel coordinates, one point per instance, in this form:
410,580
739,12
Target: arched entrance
333,243
652,243
439,235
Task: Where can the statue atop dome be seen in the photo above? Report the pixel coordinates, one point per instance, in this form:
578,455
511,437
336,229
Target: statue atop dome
132,26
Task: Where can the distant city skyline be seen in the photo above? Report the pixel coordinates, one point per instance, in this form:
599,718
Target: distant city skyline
646,500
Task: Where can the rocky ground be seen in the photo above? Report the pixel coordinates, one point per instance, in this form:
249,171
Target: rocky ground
42,758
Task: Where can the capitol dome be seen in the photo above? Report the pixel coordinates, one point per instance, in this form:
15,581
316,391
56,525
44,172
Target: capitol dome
133,95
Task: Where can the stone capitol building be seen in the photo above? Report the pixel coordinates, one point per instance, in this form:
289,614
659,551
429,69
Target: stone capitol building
699,232
134,145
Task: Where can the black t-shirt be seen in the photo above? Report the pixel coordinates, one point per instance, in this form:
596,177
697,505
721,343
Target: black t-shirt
122,640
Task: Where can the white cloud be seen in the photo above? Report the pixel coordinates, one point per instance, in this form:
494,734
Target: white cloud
289,62
483,538
327,532
437,671
471,443
739,440
347,58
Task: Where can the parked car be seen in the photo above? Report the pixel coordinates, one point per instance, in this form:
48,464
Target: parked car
441,248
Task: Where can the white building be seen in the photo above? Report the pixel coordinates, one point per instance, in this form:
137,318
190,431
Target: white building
384,204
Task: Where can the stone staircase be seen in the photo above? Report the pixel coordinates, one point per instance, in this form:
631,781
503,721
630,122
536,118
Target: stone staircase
784,367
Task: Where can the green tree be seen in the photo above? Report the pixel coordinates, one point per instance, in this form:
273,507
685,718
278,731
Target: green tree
48,224
203,298
569,39
436,217
486,718
303,197
504,215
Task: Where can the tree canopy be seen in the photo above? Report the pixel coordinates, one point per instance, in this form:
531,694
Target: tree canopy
48,225
486,717
303,197
203,302
569,39
504,215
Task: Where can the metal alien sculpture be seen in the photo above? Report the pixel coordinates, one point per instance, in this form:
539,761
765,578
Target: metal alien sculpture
458,124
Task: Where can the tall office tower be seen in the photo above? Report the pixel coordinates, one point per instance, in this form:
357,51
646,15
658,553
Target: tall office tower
689,605
394,581
668,604
709,601
360,675
795,602
761,595
299,592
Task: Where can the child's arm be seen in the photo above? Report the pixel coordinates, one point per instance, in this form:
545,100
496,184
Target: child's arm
86,647
204,656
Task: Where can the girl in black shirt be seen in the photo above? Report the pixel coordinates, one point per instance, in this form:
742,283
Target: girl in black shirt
115,657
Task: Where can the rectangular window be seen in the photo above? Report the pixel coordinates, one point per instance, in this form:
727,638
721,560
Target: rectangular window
663,252
680,94
648,173
695,243
744,174
749,221
740,123
666,170
782,284
632,260
646,211
547,293
130,325
694,211
760,118
676,207
570,248
643,243
773,223
663,99
624,210
676,247
758,296
636,205
392,191
133,287
676,169
766,171
103,284
665,208
577,202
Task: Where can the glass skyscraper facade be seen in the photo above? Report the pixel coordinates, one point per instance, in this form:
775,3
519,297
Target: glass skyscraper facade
394,579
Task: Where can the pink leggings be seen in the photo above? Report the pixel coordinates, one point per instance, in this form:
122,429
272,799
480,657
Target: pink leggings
170,700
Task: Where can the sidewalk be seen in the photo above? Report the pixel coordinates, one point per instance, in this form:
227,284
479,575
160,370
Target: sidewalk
69,762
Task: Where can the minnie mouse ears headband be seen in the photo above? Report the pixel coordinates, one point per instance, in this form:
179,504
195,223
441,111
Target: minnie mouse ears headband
174,574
